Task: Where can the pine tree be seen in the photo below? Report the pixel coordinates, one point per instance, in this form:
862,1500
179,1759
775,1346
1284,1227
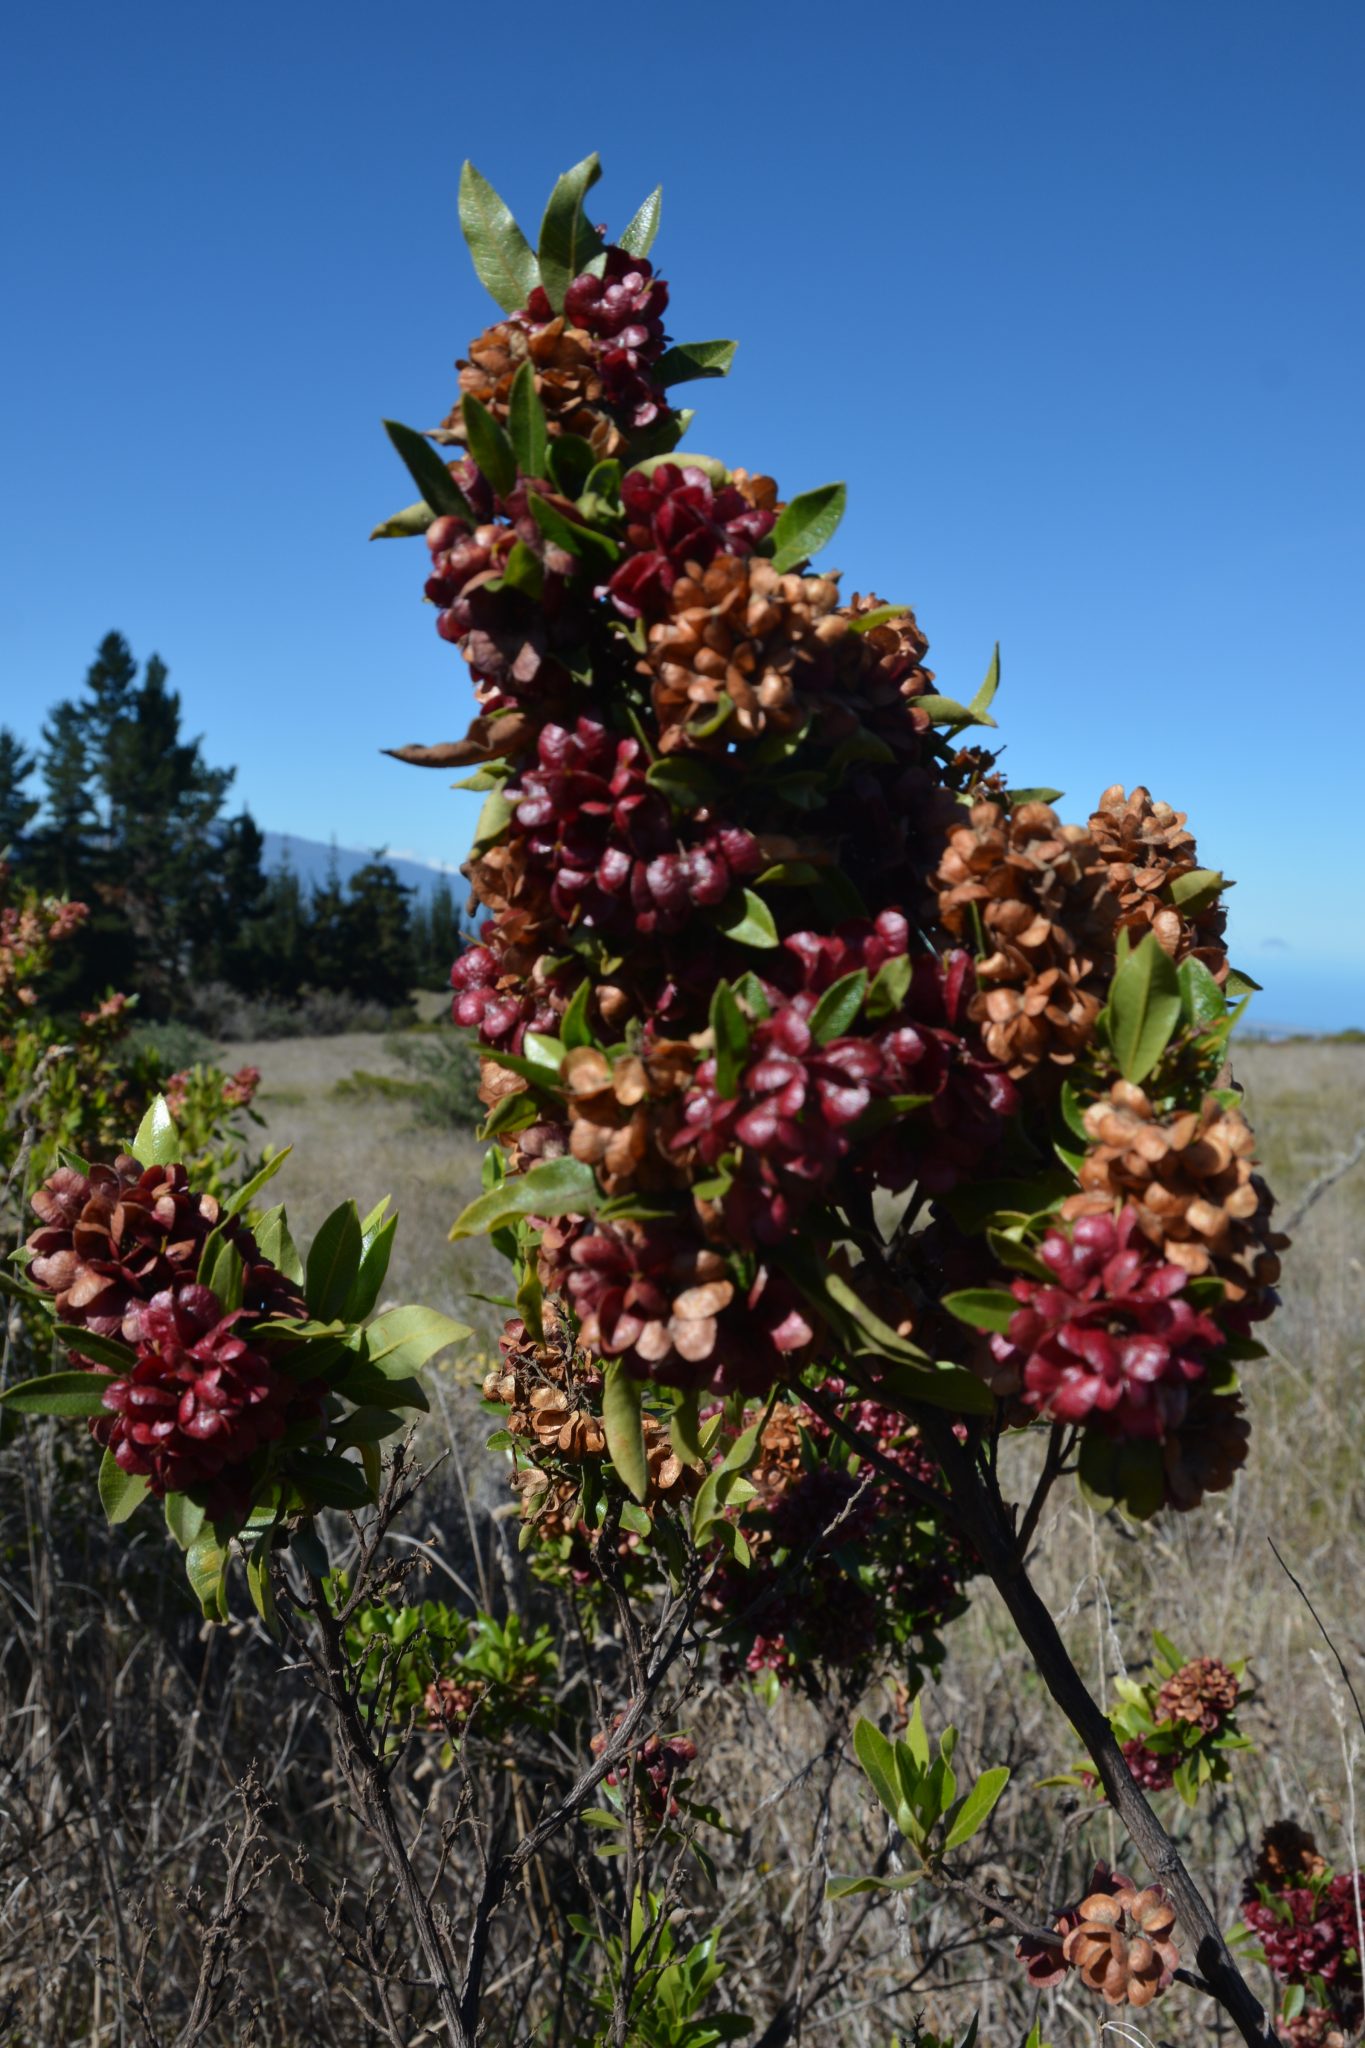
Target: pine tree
64,849
379,938
17,808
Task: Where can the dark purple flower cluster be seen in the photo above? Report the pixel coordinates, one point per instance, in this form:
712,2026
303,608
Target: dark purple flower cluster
657,1768
1110,1339
200,1401
676,517
1311,1930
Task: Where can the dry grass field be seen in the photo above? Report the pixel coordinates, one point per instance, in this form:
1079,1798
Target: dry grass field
152,1720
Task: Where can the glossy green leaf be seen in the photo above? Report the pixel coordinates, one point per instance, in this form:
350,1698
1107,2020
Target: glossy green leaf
430,474
222,1268
684,781
889,988
947,711
185,1518
526,424
158,1141
110,1351
1196,890
487,441
574,1029
807,524
746,918
637,237
1202,1000
731,1033
1144,1008
259,1582
399,1342
621,1419
206,1564
1039,795
376,1249
976,1807
1239,984
502,255
330,1482
880,615
688,361
247,1193
571,462
982,1308
838,1006
567,238
333,1263
276,1245
59,1393
120,1492
413,519
985,696
594,551
556,1187
684,1428
877,1757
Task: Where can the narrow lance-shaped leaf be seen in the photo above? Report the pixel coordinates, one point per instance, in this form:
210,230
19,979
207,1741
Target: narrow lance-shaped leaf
489,445
557,1187
503,258
1144,1008
688,361
985,696
59,1393
431,476
807,524
526,423
333,1262
621,1420
730,1035
120,1492
838,1006
404,524
976,1807
637,237
567,239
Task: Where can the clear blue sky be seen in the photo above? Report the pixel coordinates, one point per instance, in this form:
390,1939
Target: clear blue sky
1069,293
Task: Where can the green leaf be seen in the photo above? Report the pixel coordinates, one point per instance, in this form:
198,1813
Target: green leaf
1039,795
684,781
1144,1008
747,920
621,1419
1202,1001
976,1807
571,461
488,443
985,696
880,615
333,1264
400,1342
890,988
916,1740
431,476
574,1028
1196,890
731,1033
947,711
59,1393
247,1193
637,237
807,524
206,1564
376,1249
877,1757
526,423
277,1246
684,1428
157,1142
1239,984
403,525
104,1350
557,1187
594,551
846,1887
120,1492
568,241
502,255
687,361
222,1268
982,1308
330,1482
495,815
259,1583
185,1518
838,1006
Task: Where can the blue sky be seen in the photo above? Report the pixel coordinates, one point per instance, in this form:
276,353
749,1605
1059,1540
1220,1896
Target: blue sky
1069,293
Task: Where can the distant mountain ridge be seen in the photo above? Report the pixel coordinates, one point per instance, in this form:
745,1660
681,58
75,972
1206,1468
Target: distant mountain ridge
312,862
